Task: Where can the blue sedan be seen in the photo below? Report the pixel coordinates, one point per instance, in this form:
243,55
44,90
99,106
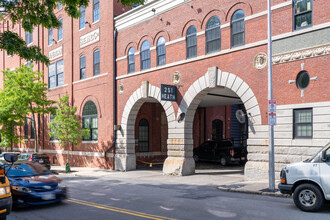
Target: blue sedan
33,184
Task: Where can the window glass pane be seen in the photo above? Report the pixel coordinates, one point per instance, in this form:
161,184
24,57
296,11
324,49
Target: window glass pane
52,82
94,122
50,36
51,69
94,134
96,10
145,45
161,41
96,58
60,30
85,122
191,30
82,19
89,109
237,15
213,22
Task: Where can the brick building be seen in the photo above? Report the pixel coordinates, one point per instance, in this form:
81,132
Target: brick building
214,53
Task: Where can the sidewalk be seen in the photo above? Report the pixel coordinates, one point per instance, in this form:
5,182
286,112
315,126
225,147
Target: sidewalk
230,179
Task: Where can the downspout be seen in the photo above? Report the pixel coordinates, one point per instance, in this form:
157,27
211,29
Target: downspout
38,134
114,94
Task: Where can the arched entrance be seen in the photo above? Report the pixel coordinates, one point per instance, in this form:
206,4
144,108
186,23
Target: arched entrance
125,158
180,156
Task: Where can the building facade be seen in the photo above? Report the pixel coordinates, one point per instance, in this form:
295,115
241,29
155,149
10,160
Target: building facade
187,72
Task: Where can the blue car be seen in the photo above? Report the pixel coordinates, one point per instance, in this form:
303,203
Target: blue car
33,184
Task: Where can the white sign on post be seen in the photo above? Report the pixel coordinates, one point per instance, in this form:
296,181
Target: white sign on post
272,112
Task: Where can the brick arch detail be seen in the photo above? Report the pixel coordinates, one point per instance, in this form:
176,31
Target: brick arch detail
196,23
129,45
212,79
219,13
246,7
125,145
144,38
96,102
164,34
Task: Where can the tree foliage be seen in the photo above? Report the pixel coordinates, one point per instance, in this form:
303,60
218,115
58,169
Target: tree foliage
66,126
23,96
31,13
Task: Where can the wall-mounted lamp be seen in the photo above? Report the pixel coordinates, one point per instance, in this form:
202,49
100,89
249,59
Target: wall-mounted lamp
153,10
181,117
54,41
89,24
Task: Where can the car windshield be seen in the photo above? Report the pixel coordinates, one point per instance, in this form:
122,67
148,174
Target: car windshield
313,158
27,169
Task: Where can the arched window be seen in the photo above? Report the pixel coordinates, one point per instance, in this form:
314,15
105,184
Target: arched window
161,52
191,42
217,130
82,67
89,120
96,62
143,135
213,35
131,60
145,55
237,29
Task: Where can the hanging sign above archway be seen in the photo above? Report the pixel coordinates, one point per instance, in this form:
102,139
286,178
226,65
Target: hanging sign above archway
168,93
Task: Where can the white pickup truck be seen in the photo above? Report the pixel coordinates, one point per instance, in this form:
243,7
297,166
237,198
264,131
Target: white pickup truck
308,181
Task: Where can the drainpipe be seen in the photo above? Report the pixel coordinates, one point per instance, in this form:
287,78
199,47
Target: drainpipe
114,94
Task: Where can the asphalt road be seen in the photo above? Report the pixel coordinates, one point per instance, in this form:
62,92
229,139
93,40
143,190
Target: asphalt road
107,197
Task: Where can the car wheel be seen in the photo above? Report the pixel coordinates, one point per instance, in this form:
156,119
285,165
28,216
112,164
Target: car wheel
196,158
223,160
308,197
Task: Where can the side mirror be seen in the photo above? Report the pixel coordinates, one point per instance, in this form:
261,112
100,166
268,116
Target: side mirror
324,156
11,157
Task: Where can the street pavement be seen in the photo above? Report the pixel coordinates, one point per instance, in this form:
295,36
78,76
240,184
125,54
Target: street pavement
147,194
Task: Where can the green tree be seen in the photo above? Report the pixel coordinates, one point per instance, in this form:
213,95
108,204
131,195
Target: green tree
66,126
32,13
24,95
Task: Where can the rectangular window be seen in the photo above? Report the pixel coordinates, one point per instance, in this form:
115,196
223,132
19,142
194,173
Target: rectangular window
96,66
26,129
191,46
55,74
161,59
50,36
145,59
28,37
238,33
302,123
131,63
96,10
60,30
60,6
32,130
83,67
82,18
303,14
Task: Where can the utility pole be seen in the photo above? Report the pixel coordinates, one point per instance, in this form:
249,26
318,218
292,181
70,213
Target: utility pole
271,169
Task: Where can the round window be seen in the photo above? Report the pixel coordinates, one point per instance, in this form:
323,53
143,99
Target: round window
302,80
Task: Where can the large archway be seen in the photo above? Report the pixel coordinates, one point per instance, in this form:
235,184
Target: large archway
180,149
125,158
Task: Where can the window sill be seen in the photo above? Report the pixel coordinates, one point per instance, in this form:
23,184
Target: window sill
89,142
93,77
51,89
95,22
29,44
81,29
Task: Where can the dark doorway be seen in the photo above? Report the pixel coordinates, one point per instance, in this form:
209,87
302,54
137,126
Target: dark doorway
217,130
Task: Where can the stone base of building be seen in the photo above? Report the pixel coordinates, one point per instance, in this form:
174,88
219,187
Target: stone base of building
125,162
179,166
255,170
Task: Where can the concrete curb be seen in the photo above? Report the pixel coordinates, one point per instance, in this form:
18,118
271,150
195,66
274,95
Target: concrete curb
256,192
